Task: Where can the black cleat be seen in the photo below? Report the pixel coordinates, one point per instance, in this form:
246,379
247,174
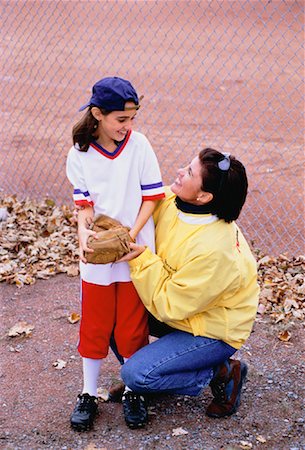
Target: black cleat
135,410
84,412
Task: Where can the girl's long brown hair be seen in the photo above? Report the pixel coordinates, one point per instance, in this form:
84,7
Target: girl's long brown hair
84,131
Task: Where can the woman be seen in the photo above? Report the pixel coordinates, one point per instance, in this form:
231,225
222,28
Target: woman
201,286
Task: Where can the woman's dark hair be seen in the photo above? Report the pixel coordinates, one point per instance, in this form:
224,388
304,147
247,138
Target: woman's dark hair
227,182
84,131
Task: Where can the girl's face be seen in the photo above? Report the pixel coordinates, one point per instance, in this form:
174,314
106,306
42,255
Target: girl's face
115,125
188,183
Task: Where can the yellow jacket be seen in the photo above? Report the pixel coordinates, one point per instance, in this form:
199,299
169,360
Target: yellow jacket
203,279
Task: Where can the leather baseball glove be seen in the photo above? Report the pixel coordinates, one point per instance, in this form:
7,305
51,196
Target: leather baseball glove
112,241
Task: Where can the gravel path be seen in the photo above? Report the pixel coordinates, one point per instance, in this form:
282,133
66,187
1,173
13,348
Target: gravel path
37,397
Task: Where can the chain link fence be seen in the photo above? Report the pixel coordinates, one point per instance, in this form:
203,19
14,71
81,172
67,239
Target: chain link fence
226,74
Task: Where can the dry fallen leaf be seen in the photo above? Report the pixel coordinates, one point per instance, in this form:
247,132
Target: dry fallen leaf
103,394
59,364
14,349
284,336
74,317
279,318
72,270
261,308
3,214
245,445
179,432
21,328
261,439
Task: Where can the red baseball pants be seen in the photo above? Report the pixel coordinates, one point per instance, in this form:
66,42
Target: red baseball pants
115,308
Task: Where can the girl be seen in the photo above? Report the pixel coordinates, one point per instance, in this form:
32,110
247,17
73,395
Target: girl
114,171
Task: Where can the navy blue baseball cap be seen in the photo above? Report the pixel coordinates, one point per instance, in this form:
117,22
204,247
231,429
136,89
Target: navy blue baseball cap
112,93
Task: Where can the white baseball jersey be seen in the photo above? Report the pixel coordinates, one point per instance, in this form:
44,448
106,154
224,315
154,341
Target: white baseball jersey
116,184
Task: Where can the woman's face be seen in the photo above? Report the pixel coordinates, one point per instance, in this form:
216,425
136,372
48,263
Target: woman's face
188,182
115,126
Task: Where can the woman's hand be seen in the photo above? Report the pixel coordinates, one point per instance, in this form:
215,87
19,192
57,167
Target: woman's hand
133,234
136,250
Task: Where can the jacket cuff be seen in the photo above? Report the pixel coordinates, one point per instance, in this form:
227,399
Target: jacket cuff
140,259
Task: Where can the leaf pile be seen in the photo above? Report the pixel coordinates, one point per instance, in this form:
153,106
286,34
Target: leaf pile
282,283
39,240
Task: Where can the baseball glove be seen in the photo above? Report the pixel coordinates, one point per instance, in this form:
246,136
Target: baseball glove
111,241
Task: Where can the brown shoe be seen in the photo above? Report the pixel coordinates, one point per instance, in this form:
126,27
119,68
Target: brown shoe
226,388
116,392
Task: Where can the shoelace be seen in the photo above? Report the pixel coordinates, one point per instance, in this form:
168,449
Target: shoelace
134,400
84,402
219,392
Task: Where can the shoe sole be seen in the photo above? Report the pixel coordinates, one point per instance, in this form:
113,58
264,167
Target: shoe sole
243,375
137,425
81,428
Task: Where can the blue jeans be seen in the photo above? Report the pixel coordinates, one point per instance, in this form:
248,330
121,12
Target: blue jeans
177,363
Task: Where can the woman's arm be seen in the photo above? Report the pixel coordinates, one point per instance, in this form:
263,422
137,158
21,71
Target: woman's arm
176,295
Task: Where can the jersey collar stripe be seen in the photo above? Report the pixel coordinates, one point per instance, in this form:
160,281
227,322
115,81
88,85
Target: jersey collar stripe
116,153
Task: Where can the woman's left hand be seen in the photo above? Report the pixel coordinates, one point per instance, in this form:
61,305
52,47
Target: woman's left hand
136,250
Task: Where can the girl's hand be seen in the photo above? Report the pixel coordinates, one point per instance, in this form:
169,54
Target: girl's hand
83,235
136,250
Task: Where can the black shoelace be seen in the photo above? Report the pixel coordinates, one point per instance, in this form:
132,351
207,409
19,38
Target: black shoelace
84,402
134,401
219,392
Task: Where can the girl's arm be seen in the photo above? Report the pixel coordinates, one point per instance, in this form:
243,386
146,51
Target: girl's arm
146,210
85,217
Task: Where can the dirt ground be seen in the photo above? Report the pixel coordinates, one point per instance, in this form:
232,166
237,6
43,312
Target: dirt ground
37,398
